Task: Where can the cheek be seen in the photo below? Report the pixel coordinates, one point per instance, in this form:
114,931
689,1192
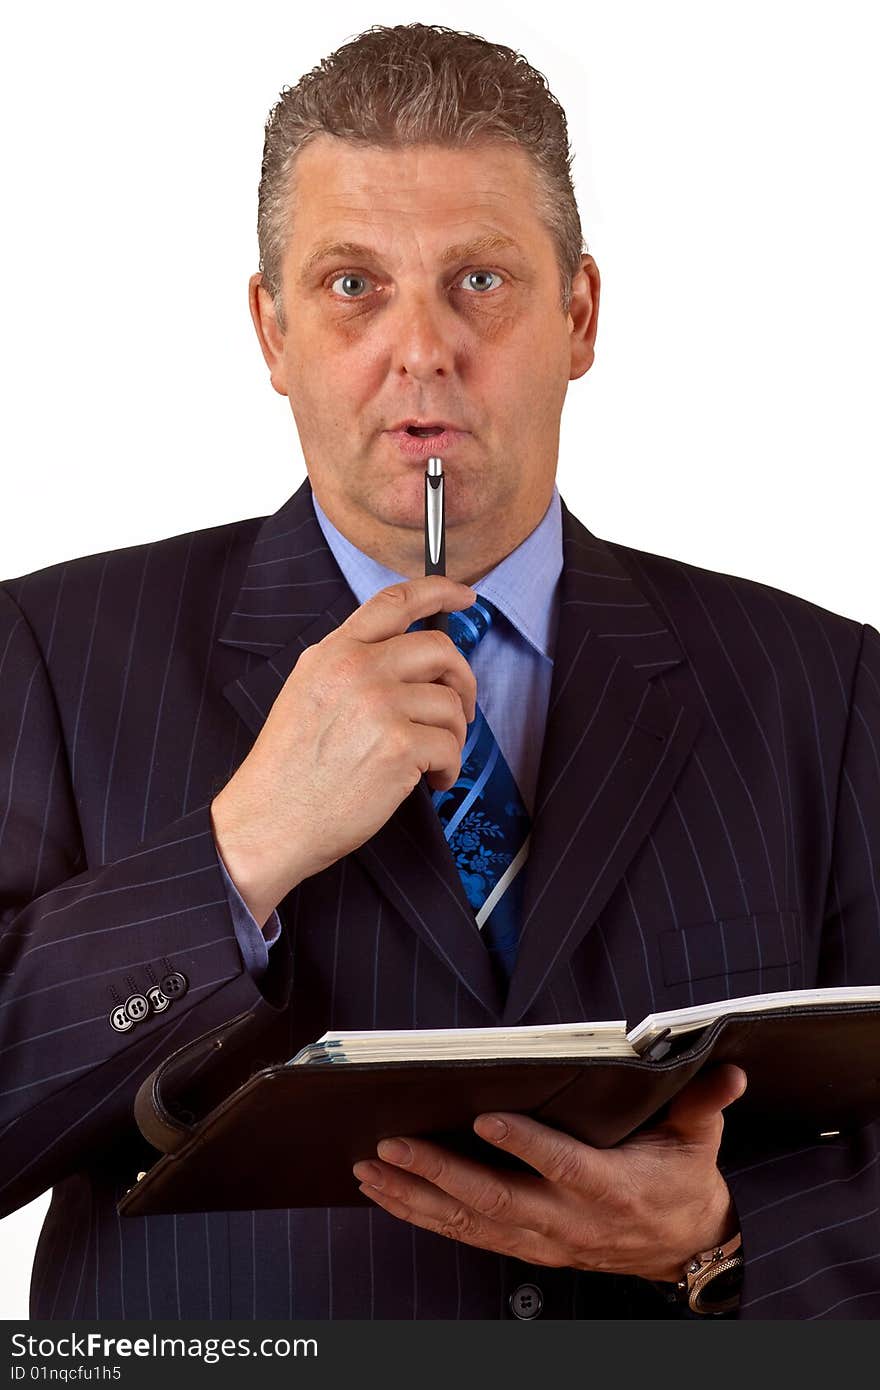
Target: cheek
320,389
530,394
545,384
530,360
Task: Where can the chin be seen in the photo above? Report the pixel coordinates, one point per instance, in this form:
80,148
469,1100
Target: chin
401,502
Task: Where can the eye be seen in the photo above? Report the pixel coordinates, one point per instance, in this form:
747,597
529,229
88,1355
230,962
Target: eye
482,275
348,281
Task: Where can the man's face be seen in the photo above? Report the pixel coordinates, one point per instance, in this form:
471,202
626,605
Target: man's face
409,328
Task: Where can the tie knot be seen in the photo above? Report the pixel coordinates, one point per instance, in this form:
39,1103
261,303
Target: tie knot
468,626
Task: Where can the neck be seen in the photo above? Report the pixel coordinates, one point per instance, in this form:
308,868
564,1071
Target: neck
472,549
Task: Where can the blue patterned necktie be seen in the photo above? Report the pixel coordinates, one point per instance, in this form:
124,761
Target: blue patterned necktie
483,816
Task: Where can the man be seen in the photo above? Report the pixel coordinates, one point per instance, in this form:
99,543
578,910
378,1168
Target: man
227,754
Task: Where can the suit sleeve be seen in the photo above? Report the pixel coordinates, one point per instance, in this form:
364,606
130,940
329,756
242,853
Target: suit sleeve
82,951
810,1217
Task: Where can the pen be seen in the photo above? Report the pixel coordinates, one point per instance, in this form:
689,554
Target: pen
435,534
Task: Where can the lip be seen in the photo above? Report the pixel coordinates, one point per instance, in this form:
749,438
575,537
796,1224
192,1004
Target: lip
423,448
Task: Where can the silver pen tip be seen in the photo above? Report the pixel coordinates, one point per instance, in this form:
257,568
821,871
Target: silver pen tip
435,468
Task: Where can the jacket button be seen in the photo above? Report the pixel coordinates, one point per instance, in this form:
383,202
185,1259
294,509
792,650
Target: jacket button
136,1007
120,1020
158,1001
175,985
526,1301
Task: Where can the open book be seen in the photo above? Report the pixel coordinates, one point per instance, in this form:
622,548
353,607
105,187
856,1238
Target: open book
235,1133
653,1037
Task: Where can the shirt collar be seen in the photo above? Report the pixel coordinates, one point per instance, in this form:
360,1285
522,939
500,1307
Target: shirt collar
522,585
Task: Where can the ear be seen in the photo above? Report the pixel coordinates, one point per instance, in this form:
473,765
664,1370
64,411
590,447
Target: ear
269,333
583,314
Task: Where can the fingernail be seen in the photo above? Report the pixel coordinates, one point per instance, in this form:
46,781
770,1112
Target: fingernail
490,1127
395,1151
369,1173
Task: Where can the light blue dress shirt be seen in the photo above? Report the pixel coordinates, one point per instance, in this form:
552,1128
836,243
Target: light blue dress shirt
512,665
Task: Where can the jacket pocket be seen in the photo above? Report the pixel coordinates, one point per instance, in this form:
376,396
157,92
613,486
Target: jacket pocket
764,946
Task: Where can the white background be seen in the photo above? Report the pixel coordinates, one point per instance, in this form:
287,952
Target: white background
725,169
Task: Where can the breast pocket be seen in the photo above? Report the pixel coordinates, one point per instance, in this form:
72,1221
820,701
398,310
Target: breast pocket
735,955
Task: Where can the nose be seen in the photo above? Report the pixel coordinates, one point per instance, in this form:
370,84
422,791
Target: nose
423,336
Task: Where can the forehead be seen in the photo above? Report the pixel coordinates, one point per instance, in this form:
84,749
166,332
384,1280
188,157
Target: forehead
345,190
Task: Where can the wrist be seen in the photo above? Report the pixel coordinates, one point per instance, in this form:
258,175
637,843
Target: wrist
242,862
722,1221
716,1223
709,1276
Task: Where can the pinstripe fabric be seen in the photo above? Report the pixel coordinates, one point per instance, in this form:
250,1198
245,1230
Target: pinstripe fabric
706,824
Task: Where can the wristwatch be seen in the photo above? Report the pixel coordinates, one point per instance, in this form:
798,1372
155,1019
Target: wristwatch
711,1281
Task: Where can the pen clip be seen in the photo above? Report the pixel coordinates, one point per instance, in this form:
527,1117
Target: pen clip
434,513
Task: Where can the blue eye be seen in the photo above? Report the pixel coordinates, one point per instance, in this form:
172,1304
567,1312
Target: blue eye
476,274
347,280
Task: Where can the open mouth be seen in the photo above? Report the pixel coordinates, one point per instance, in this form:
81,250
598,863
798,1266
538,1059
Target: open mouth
421,441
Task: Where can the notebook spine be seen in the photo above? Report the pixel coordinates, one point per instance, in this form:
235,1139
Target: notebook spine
165,1123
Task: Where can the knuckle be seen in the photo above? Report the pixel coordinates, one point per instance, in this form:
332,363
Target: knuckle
315,673
431,1167
563,1165
373,705
493,1201
313,669
349,664
547,1225
398,743
399,595
458,1225
593,1249
715,1129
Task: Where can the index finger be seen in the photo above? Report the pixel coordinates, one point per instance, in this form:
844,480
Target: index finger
556,1156
391,611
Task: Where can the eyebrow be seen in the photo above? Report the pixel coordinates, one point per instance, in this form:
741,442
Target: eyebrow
353,250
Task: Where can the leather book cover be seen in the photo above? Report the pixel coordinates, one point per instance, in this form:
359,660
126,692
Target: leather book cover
288,1135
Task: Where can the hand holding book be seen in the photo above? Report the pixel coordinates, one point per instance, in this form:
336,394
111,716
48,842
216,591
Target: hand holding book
232,1127
641,1208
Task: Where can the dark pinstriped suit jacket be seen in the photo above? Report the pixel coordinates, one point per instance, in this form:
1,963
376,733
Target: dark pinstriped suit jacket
707,823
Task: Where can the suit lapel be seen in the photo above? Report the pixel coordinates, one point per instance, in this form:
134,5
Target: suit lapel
614,746
294,594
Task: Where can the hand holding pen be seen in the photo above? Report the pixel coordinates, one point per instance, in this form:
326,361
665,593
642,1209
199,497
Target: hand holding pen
359,721
361,718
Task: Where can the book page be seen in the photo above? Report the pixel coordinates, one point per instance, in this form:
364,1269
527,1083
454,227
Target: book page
700,1015
562,1040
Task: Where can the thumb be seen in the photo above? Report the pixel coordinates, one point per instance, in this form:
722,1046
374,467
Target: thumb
695,1113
